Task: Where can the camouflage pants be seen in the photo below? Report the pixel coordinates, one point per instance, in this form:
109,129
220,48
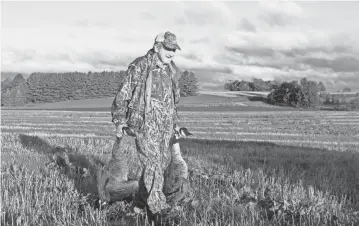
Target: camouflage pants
153,147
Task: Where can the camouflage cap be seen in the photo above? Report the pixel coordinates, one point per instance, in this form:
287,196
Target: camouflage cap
168,39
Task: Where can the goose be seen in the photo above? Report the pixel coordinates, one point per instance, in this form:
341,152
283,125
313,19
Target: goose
113,183
176,182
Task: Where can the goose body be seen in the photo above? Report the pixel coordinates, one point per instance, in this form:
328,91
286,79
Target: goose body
113,184
176,181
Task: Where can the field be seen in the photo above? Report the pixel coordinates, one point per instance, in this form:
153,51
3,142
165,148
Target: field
213,101
105,102
246,167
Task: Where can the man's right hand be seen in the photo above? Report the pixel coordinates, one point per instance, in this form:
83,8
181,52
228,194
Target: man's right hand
124,130
119,130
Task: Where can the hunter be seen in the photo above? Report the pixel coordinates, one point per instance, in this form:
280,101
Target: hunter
147,104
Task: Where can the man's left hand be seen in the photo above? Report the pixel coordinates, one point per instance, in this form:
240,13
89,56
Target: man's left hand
176,128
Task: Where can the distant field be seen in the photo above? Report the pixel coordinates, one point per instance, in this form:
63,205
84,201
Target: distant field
107,101
236,93
331,130
205,101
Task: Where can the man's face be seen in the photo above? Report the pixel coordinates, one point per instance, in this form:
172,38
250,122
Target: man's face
166,55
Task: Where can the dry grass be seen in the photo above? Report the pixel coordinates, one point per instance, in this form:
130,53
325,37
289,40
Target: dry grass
235,182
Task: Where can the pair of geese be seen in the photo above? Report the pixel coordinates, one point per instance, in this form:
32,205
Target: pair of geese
113,183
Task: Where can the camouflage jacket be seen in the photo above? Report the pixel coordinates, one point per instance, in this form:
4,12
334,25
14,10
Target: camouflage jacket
128,106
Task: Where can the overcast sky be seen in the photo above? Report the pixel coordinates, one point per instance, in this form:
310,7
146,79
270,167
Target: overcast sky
219,40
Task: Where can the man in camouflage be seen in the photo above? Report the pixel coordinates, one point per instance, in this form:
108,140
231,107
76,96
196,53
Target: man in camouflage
147,104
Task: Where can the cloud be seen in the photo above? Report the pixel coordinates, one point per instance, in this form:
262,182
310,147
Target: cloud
200,40
272,39
282,7
341,64
100,60
198,17
210,13
280,13
291,50
147,16
280,39
179,20
246,25
335,59
252,51
191,56
276,19
327,52
201,65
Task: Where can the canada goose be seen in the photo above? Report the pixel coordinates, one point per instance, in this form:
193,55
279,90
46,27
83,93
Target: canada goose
176,182
113,184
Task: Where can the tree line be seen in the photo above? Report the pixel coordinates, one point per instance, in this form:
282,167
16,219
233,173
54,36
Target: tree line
294,94
258,85
302,94
55,87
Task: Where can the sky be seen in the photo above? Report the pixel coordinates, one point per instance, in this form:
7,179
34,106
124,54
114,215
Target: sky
220,41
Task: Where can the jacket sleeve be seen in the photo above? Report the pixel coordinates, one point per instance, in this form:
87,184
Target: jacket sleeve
176,94
123,97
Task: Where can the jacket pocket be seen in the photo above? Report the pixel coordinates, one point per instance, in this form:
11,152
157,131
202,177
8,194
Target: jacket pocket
134,118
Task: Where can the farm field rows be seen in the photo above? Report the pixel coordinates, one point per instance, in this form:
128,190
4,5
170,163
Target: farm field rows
307,159
331,130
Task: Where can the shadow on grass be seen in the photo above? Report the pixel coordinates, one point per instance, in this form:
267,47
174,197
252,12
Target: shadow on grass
334,171
87,187
77,161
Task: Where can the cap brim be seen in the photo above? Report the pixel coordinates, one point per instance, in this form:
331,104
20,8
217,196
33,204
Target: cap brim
172,46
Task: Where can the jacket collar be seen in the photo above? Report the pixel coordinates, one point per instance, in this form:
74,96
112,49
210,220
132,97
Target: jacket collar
155,61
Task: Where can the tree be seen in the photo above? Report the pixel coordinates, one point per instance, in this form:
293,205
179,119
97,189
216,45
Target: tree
328,99
310,90
347,89
255,85
294,94
227,86
335,99
260,85
53,87
321,87
15,92
188,84
241,86
288,94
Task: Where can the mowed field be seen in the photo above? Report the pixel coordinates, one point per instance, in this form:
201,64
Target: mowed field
203,101
247,168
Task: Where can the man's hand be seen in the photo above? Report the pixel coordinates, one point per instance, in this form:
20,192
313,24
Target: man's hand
119,130
181,131
124,130
127,131
176,128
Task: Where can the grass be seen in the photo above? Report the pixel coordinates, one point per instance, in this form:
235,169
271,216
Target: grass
235,182
106,102
215,101
332,171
